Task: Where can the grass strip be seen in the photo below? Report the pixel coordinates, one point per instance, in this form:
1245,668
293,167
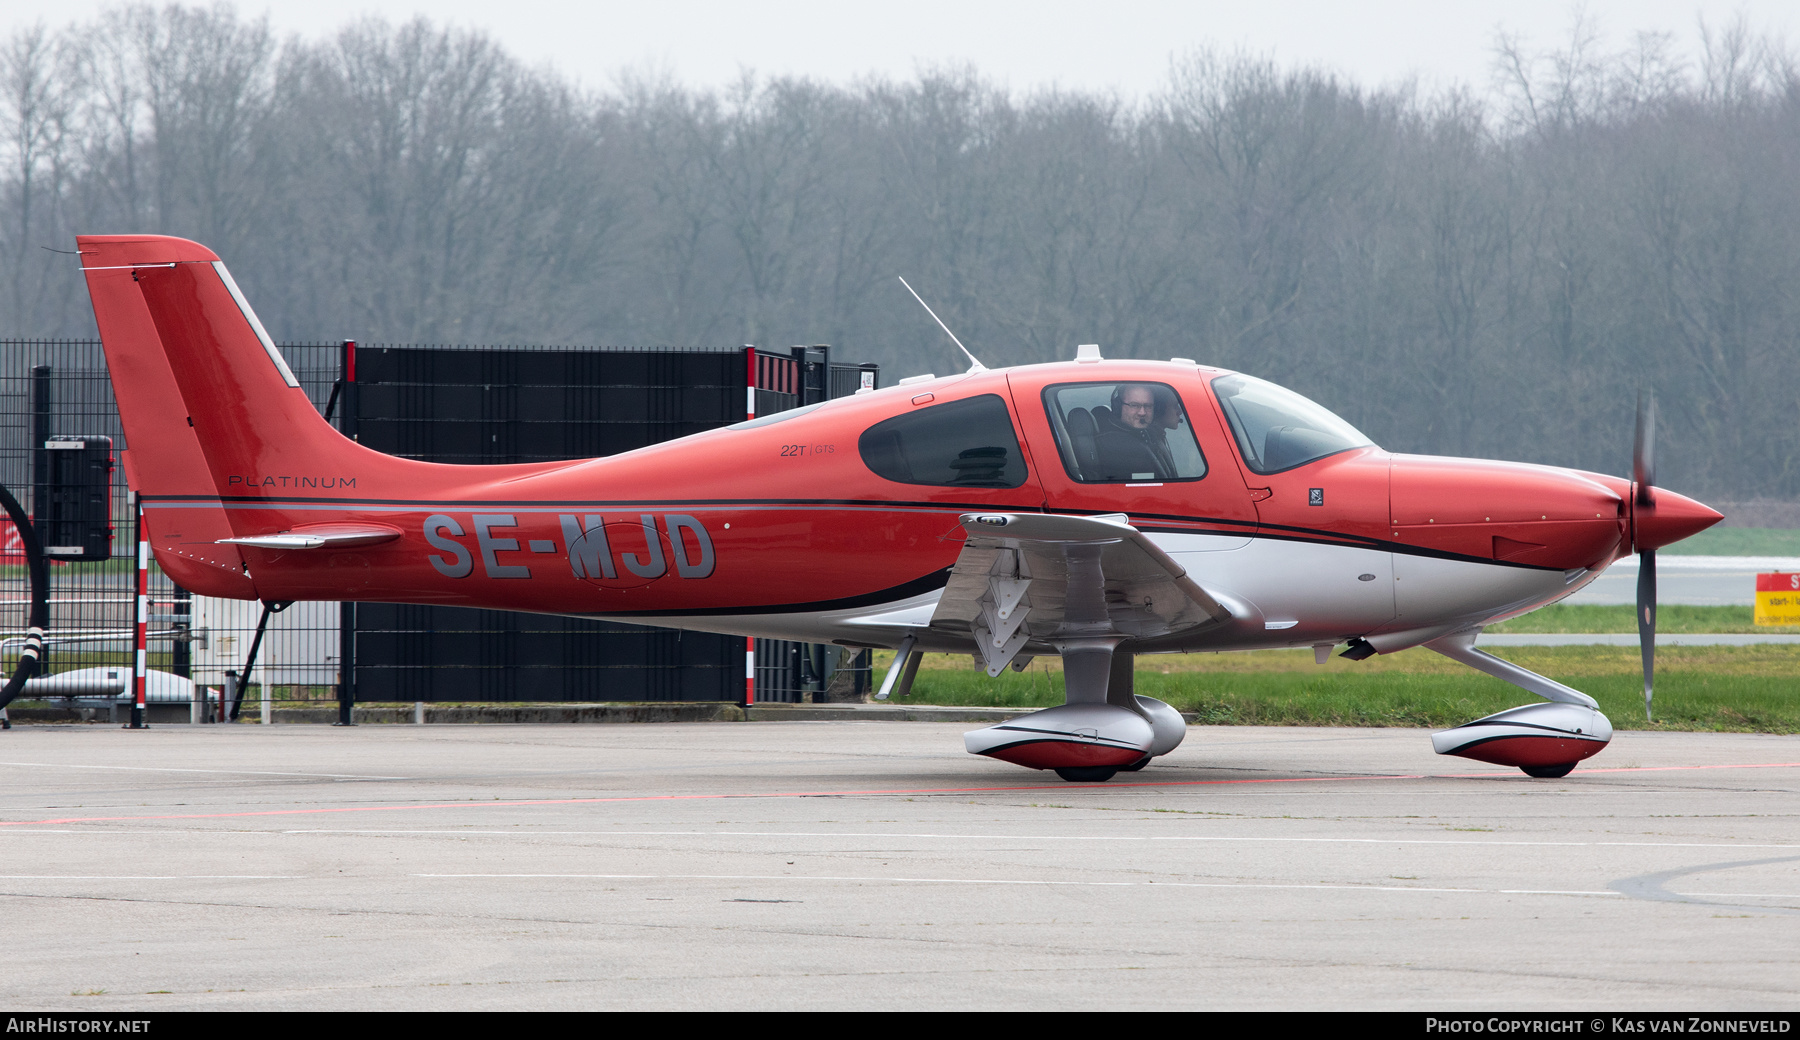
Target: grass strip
1670,618
1754,689
1739,541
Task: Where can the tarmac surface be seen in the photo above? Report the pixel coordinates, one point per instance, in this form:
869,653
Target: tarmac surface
787,865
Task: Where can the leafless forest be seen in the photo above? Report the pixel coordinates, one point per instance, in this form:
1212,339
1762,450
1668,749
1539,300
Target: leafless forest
1492,275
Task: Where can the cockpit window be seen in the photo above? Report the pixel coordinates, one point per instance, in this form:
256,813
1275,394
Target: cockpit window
1120,433
967,443
1278,429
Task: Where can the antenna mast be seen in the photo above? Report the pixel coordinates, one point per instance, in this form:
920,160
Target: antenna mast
974,364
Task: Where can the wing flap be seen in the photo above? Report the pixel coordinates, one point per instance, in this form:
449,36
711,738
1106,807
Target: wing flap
1035,578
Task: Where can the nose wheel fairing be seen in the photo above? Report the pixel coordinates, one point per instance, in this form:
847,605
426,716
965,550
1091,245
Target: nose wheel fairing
1537,738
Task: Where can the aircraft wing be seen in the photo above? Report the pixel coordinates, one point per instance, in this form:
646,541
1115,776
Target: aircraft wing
1037,578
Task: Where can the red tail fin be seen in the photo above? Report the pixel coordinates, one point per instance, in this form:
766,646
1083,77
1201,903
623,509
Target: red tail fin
247,412
214,416
164,458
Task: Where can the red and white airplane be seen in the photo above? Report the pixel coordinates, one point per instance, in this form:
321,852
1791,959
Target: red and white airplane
1091,509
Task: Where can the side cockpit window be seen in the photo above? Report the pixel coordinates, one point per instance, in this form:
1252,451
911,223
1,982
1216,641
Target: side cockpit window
968,443
1120,433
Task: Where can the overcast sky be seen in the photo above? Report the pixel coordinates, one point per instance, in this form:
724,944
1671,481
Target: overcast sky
1121,45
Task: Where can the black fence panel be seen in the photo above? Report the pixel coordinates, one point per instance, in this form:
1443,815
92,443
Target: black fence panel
510,405
444,654
503,405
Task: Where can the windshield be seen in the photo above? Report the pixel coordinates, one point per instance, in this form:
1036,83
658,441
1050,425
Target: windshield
1278,429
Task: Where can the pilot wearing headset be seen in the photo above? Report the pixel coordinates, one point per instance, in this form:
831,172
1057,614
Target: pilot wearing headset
1131,444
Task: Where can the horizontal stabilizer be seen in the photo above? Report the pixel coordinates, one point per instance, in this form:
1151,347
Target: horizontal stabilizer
321,536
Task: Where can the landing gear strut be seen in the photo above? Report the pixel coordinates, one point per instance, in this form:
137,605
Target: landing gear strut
1103,730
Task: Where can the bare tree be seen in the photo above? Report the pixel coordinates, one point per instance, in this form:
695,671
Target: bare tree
34,123
1490,276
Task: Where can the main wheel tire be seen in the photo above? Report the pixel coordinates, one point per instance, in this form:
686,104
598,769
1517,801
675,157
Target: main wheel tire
1087,774
1135,766
1548,772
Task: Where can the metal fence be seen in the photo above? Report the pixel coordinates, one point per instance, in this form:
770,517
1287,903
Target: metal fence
443,403
58,390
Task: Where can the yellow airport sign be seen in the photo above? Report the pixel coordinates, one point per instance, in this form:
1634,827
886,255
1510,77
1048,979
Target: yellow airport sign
1778,599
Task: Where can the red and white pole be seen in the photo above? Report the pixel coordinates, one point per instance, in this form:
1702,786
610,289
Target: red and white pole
749,381
749,413
141,643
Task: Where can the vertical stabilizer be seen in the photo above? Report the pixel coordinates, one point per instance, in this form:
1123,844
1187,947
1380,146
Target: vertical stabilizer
222,440
163,460
235,392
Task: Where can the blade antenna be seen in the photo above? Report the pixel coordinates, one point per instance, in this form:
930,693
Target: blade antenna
974,364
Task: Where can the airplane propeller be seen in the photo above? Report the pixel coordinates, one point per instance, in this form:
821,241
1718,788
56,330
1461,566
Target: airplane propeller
1643,472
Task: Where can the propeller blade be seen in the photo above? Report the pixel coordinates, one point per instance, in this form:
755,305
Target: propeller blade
1646,619
1643,472
1643,448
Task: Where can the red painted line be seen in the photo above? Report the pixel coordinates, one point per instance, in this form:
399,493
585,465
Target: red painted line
690,797
1665,769
1506,772
852,793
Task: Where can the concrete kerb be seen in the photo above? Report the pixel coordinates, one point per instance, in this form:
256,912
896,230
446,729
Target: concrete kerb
665,711
607,712
326,713
490,714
